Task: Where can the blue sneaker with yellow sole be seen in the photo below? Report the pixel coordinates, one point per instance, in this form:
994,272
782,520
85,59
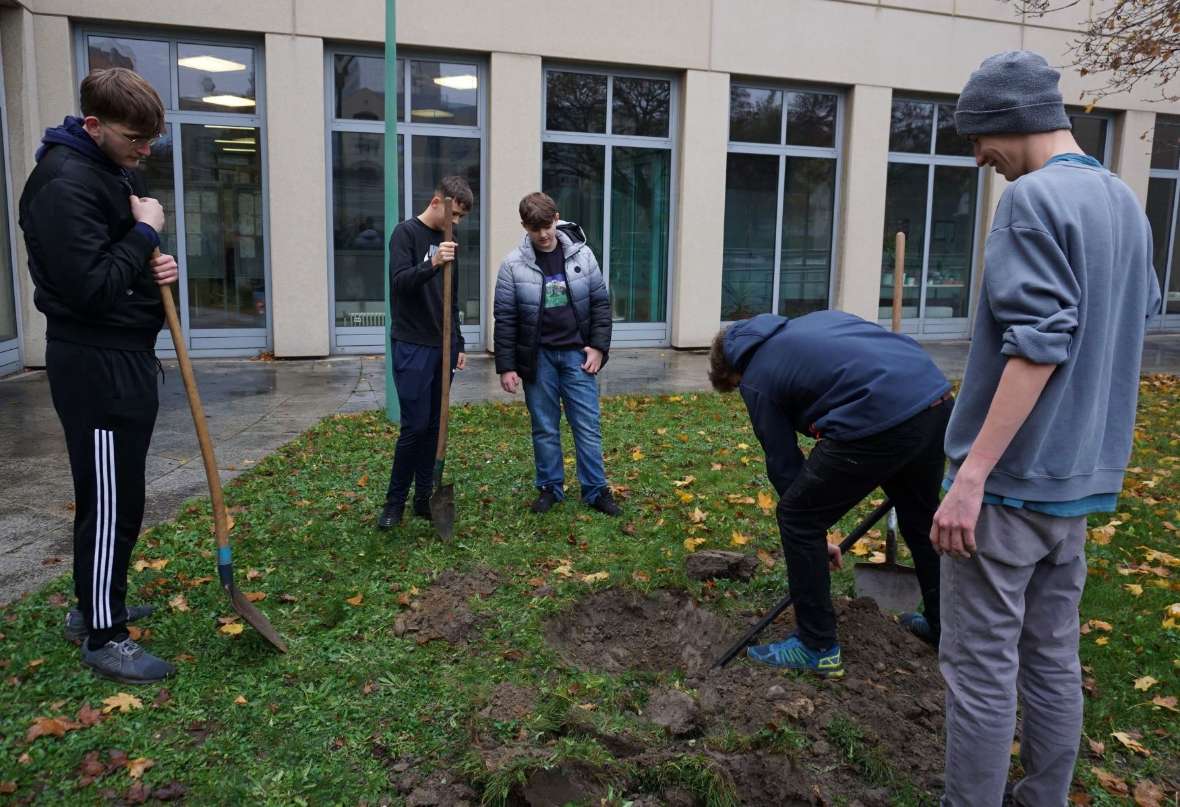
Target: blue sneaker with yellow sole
792,654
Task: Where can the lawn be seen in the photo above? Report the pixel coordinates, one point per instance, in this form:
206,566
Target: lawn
549,659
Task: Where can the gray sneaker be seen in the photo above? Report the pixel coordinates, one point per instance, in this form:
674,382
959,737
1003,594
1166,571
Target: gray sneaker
126,662
76,631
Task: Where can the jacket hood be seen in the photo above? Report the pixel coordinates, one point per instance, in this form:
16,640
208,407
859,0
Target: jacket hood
72,135
746,336
569,234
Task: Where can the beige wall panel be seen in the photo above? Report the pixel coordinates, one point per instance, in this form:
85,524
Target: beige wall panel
672,33
930,6
951,47
225,15
1132,150
699,233
514,159
862,211
1074,18
298,195
997,10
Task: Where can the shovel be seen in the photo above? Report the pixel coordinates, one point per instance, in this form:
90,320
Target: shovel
442,499
894,587
225,564
785,603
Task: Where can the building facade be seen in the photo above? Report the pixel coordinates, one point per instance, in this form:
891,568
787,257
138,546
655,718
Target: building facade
725,157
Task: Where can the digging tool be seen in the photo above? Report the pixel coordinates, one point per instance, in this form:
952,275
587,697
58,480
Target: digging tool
225,564
785,603
442,499
894,586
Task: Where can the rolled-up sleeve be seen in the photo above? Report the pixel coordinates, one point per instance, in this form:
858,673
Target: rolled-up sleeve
1033,293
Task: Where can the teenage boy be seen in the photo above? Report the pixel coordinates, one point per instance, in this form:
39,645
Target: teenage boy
417,253
553,329
1041,435
90,230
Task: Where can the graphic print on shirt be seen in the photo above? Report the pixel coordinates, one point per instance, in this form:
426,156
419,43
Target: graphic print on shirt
430,253
556,291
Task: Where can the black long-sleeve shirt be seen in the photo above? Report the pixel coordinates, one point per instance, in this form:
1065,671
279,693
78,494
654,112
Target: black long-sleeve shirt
416,287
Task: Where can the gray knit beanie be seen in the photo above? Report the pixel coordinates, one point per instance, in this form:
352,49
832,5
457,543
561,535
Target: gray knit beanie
1014,92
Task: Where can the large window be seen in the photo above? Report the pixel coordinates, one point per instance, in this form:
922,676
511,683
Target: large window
1163,200
780,201
607,162
207,172
439,123
9,346
931,195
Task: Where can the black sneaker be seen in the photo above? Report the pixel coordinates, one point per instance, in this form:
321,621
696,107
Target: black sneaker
126,662
422,508
391,515
605,503
76,631
545,501
918,625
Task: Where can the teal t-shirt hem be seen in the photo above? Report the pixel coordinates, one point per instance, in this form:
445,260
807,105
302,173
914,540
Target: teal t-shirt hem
1098,503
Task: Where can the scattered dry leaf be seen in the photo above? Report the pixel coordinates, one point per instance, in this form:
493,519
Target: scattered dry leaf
232,629
179,603
765,502
1145,683
154,565
50,727
123,701
1131,743
1148,794
136,767
691,544
355,601
766,558
738,539
1110,783
595,577
1097,748
255,596
1168,703
240,701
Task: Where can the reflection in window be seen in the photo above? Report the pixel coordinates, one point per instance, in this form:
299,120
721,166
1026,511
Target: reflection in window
216,78
1090,132
747,259
444,93
755,115
640,211
641,107
149,59
811,119
360,87
910,128
575,102
574,174
1165,143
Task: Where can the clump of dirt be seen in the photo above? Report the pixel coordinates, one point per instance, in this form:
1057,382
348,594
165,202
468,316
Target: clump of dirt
510,702
891,696
619,629
443,611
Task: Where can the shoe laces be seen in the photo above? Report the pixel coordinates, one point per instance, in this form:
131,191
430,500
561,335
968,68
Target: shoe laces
129,648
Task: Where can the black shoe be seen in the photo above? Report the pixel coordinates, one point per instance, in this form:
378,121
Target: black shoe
76,630
391,515
918,625
545,501
605,503
422,508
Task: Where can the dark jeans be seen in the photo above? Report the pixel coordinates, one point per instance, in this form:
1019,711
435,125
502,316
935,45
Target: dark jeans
418,379
907,462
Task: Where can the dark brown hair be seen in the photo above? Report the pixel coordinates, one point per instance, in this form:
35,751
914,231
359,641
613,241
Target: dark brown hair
722,375
538,210
119,95
457,188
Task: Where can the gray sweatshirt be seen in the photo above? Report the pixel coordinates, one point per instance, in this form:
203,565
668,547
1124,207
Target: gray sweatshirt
1067,280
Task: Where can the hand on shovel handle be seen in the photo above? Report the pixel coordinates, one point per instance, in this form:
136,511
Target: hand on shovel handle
442,499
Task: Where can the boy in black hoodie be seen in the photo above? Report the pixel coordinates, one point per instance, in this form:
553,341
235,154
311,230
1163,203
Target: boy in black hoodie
91,232
417,252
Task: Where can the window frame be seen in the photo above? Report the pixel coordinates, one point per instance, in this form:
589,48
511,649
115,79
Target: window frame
1161,319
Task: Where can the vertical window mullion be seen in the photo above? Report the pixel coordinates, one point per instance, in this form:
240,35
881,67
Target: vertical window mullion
607,182
1163,312
926,246
776,279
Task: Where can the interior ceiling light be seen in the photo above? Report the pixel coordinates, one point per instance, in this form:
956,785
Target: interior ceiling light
210,64
228,100
223,126
434,114
239,141
244,151
464,82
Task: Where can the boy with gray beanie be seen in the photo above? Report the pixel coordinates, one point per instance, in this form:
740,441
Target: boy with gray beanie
1040,436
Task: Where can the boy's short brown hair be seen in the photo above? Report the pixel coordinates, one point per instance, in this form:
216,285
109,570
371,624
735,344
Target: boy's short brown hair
119,95
457,188
538,210
723,375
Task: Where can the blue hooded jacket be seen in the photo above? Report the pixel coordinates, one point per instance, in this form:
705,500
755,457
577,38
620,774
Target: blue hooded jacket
829,374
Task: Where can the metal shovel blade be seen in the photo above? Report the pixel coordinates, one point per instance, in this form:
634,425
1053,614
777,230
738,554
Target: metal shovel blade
442,511
893,586
255,618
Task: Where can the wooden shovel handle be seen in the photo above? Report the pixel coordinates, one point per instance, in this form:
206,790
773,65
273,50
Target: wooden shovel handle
448,292
220,517
898,281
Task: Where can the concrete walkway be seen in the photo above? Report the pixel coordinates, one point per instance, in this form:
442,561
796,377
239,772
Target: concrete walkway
254,407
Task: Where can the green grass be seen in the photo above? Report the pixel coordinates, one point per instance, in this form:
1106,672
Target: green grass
322,724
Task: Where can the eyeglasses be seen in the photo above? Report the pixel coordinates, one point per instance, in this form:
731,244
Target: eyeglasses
136,142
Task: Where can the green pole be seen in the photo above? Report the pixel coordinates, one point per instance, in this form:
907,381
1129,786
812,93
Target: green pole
392,409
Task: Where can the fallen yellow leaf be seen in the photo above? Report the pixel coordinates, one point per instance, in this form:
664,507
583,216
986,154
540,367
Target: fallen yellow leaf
355,601
136,767
154,565
1145,683
240,701
1154,555
595,577
1168,703
1102,641
636,455
688,480
1131,743
123,701
765,502
363,481
179,602
685,497
697,516
565,569
232,629
1135,589
640,577
742,446
691,544
1100,625
737,539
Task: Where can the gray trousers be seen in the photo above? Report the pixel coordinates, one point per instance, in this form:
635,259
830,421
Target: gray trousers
1009,626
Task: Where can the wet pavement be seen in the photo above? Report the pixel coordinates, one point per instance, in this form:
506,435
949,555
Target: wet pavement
253,407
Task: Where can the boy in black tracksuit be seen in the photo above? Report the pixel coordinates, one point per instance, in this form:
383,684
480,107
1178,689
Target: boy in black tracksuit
90,239
416,254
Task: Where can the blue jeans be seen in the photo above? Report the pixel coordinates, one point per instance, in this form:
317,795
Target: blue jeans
561,382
